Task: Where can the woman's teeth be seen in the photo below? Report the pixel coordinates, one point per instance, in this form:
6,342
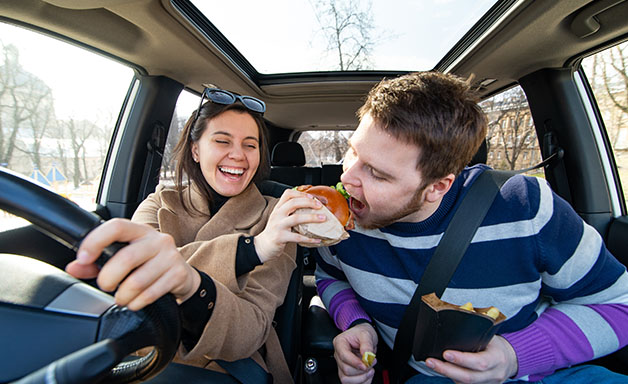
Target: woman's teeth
232,171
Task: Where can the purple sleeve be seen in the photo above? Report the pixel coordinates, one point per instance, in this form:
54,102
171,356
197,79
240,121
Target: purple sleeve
341,302
556,341
588,288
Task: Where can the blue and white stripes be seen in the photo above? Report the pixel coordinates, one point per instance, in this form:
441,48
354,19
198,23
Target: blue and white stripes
532,252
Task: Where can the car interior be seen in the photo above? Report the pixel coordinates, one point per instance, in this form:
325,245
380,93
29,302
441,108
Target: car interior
173,47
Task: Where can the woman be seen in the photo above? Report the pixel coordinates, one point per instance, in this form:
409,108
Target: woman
221,248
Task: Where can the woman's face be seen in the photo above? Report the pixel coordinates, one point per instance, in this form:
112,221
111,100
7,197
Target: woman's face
228,152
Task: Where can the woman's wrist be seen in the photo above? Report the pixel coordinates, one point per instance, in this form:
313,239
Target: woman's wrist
260,248
192,284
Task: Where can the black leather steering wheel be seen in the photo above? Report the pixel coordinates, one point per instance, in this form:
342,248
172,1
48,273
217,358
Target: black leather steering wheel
31,293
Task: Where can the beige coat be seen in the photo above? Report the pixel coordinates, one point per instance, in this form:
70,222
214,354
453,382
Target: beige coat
241,322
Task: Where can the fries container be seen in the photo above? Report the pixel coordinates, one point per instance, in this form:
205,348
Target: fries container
441,326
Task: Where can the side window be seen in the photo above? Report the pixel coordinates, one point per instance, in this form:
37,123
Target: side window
511,136
58,109
324,147
186,104
607,73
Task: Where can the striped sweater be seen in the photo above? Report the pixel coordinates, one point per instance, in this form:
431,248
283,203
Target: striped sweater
533,257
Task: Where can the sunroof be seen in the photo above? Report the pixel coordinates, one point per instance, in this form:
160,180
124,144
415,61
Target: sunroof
284,36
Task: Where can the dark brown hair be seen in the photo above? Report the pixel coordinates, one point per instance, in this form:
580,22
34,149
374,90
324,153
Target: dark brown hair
187,168
436,112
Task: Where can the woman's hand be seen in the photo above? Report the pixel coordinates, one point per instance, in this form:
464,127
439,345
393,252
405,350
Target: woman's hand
143,271
271,242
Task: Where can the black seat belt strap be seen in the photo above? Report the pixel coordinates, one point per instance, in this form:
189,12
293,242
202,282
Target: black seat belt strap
154,156
246,371
449,252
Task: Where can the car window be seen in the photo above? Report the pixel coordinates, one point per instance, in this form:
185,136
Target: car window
324,147
511,136
58,108
186,104
607,74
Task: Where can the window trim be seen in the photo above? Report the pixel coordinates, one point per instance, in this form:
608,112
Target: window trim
618,205
114,146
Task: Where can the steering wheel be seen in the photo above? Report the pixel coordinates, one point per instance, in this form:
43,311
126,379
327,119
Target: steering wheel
78,334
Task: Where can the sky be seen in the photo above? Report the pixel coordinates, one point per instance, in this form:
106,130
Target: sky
412,34
83,85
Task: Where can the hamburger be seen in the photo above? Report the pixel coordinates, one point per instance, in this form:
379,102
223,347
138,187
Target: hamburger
335,207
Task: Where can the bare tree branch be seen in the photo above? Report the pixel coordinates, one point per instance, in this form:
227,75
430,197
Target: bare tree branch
347,25
509,128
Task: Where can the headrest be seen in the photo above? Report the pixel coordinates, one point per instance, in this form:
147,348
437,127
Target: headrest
480,156
288,153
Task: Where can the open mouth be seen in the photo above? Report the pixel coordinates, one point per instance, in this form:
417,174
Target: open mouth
356,205
231,172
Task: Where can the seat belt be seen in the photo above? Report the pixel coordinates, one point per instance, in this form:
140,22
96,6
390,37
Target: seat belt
444,262
154,156
246,371
555,156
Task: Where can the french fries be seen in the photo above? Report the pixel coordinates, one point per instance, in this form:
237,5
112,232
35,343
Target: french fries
468,306
368,358
492,312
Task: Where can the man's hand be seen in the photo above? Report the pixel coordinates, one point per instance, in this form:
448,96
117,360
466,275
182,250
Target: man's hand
495,364
349,347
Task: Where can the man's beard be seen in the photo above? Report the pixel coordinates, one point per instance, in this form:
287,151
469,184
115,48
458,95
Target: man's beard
412,206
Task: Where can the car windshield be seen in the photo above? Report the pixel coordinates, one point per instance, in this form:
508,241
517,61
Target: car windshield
343,35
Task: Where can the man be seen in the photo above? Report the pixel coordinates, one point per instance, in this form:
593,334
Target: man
565,296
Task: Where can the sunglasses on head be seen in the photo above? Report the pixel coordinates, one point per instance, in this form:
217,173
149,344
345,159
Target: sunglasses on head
220,96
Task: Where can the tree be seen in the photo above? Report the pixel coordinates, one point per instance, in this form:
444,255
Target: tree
616,84
102,137
337,145
12,79
490,106
510,128
347,25
32,136
40,111
62,158
610,85
26,109
167,163
78,132
324,147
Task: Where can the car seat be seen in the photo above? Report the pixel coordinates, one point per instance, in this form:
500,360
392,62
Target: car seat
287,320
288,165
330,174
481,156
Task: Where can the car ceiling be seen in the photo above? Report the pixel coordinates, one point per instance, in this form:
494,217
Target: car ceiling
158,40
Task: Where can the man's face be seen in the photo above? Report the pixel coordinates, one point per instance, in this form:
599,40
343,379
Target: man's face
381,176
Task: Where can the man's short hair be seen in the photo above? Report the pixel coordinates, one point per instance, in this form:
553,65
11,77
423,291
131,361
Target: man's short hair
435,111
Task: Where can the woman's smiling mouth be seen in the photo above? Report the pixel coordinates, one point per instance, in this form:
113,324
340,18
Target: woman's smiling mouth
231,172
